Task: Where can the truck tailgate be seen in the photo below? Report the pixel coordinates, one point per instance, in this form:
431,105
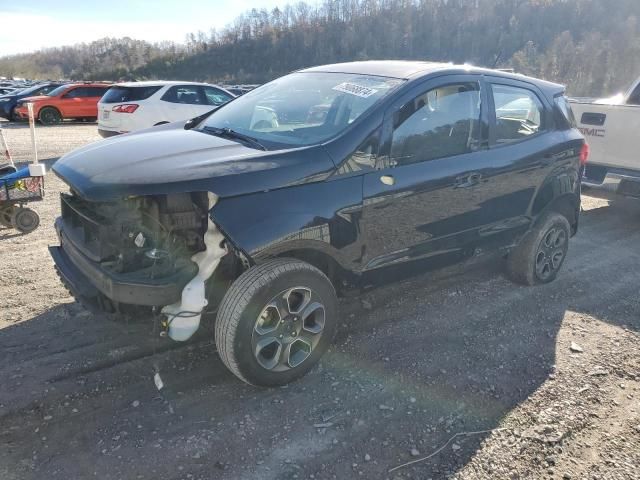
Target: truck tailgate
612,133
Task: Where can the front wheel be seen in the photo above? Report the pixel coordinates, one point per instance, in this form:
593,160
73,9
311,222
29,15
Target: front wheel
276,321
541,253
49,116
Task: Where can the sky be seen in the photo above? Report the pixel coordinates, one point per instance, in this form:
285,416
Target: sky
28,25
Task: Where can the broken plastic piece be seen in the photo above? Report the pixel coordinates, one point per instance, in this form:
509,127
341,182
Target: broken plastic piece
158,381
184,317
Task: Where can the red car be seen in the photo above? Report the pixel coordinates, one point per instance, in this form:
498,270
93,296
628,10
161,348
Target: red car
74,100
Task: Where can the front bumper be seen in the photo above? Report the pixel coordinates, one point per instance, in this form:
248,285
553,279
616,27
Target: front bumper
88,280
619,182
22,113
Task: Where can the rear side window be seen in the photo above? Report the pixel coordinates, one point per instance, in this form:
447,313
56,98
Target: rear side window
95,91
519,113
563,104
129,94
187,94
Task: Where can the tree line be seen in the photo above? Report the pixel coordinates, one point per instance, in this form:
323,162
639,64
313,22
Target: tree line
593,46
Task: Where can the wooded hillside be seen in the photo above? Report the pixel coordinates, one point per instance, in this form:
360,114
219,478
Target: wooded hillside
593,46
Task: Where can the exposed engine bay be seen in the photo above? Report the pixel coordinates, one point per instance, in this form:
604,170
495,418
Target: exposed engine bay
151,236
158,251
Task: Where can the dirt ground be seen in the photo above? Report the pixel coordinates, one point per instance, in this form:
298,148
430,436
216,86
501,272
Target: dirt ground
415,364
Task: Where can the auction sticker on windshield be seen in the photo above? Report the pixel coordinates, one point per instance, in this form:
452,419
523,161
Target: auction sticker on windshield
354,89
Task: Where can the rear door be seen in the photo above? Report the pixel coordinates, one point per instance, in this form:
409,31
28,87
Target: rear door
523,148
182,102
90,103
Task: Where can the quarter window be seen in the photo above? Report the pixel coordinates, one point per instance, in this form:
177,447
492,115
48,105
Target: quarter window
216,97
441,123
518,113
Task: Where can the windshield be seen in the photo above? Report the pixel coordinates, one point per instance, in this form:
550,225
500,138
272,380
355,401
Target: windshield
302,108
57,91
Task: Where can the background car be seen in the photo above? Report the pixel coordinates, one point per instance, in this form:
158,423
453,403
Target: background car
76,100
127,107
9,101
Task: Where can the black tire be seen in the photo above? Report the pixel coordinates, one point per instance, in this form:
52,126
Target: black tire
25,220
541,253
5,216
49,116
12,114
242,313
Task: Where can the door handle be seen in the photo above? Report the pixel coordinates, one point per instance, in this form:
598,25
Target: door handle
388,180
469,180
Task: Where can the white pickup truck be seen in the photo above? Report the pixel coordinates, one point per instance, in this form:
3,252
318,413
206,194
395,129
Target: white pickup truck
612,129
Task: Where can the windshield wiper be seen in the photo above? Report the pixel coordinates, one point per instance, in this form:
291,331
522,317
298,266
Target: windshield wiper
229,133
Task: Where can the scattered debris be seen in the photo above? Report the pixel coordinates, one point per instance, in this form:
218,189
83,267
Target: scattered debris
460,434
323,425
576,348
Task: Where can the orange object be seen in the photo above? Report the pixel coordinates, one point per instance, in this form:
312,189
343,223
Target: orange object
74,100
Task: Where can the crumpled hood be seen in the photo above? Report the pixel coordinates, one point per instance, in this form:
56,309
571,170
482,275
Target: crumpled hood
169,159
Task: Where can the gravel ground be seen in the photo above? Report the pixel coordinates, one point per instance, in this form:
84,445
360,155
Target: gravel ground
549,376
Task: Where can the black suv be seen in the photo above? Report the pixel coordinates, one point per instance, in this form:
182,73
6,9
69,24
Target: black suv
326,179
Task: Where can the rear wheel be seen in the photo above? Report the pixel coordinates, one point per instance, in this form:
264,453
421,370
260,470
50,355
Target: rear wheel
541,253
12,114
25,220
49,116
276,321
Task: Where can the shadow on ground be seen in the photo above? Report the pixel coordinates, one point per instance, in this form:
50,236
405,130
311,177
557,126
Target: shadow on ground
414,363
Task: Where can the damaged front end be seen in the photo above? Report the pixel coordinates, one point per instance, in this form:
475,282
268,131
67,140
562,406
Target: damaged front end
155,251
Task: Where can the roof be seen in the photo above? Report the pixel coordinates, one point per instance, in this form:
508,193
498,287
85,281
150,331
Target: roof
407,69
158,83
384,68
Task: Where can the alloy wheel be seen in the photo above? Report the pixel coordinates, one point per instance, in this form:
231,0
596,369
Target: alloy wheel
551,252
288,329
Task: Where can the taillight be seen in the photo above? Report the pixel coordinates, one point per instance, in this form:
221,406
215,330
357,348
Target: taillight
584,153
128,108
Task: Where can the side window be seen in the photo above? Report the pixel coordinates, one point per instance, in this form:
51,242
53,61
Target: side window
214,96
440,123
186,94
75,93
96,91
519,113
45,90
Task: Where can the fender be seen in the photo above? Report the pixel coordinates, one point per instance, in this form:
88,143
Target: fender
560,190
298,218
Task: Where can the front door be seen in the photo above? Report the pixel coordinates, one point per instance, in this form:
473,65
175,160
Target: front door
419,204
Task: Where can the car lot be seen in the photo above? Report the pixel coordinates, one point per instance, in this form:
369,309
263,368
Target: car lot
413,364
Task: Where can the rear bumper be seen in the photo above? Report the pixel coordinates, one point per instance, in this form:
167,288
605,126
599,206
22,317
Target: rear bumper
617,181
88,281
